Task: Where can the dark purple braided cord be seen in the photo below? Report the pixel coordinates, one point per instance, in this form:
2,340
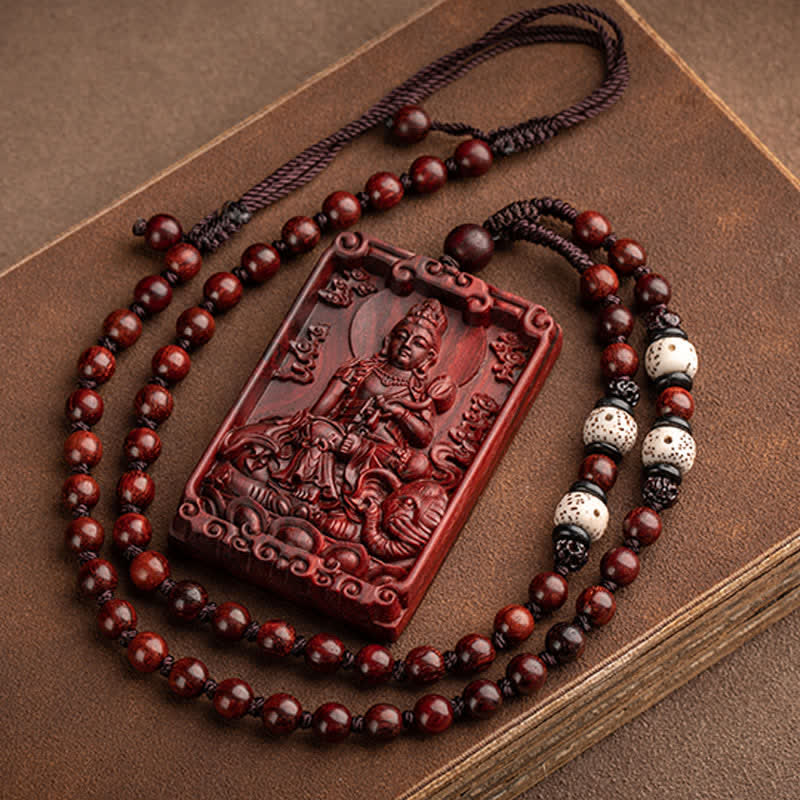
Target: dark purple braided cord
513,31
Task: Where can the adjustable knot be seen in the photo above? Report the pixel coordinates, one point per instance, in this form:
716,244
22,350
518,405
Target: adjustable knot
218,227
507,141
502,224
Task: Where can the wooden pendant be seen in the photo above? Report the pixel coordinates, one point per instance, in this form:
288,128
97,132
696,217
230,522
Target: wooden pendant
362,440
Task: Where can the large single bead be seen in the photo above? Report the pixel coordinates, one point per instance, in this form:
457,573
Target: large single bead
471,245
590,229
473,158
410,124
162,231
584,510
670,354
669,444
610,425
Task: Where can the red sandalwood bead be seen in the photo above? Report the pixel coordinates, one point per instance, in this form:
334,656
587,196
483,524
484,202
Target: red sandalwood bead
383,721
132,530
136,488
473,158
223,289
183,260
652,290
188,677
618,360
433,714
424,664
80,490
475,653
342,209
153,402
149,570
471,245
373,664
331,722
281,714
261,261
96,364
482,698
301,234
83,448
548,590
230,621
84,405
642,523
323,653
186,600
410,124
276,637
153,293
172,363
591,229
147,651
123,327
597,603
428,174
676,401
515,622
115,617
527,672
599,469
614,322
620,565
565,642
162,231
196,325
626,255
232,698
384,190
142,444
96,576
84,534
598,282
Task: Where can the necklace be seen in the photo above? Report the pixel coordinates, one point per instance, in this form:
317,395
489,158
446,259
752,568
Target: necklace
668,452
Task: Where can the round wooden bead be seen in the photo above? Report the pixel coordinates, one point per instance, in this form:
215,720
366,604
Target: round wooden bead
591,229
482,698
123,327
342,209
642,523
80,490
620,565
230,621
276,638
301,234
149,570
424,664
599,469
515,623
565,642
610,425
136,488
652,290
614,322
410,124
96,364
223,289
597,283
260,261
232,698
527,672
626,255
142,444
281,714
84,405
384,190
433,714
471,245
196,325
83,448
331,722
96,576
153,402
132,530
584,510
473,158
172,363
183,260
597,603
153,293
84,534
474,653
324,653
162,231
669,445
147,651
383,721
115,617
373,664
675,401
549,591
670,354
186,600
619,360
428,174
188,677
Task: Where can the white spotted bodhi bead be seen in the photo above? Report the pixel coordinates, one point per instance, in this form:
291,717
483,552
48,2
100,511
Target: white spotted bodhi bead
584,510
670,354
669,444
610,425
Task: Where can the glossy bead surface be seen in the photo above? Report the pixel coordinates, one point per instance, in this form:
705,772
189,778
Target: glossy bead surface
281,714
473,158
115,617
527,672
424,664
410,124
96,576
584,510
428,174
642,523
599,469
82,448
482,698
147,651
515,623
187,677
342,209
261,261
549,591
626,255
132,529
619,360
142,444
230,621
136,488
470,245
652,290
565,642
383,721
84,405
162,231
153,402
597,603
80,490
323,653
384,190
153,293
614,322
183,260
610,425
433,714
301,234
597,283
172,363
675,401
474,652
96,364
232,698
331,722
670,354
373,664
276,638
223,289
669,444
590,229
620,565
123,327
186,601
148,570
84,534
195,325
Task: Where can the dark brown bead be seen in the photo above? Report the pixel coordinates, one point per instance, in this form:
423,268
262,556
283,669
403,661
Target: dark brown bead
96,576
132,530
597,603
473,158
599,469
232,698
149,570
642,523
223,289
410,124
142,444
470,245
527,672
196,325
383,721
590,229
186,601
84,534
301,234
84,405
433,714
172,363
276,638
260,261
424,664
548,590
230,621
153,293
652,290
331,722
428,174
154,402
281,714
162,231
514,622
373,664
188,677
324,653
183,260
136,488
614,322
626,255
598,282
115,617
620,565
676,401
482,698
475,653
342,209
565,642
83,448
123,327
96,364
147,651
384,190
80,490
619,360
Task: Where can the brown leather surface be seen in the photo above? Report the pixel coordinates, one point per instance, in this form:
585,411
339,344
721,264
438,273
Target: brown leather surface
666,166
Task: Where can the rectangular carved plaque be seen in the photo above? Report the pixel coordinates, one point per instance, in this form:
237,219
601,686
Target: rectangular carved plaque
358,447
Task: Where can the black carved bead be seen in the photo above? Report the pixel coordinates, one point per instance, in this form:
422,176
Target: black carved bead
660,317
659,492
674,379
570,554
574,533
664,471
625,389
